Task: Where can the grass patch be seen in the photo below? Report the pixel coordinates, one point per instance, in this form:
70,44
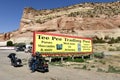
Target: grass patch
69,59
79,60
112,69
75,60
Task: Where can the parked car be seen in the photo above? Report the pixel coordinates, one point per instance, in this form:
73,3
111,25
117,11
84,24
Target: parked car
28,49
20,49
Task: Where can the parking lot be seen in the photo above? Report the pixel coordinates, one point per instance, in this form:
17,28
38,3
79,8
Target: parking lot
8,72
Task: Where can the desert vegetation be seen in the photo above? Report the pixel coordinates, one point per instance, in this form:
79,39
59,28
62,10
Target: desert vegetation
97,11
81,10
107,43
106,39
100,63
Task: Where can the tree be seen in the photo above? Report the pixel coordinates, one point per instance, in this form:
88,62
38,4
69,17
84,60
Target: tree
9,43
31,43
112,40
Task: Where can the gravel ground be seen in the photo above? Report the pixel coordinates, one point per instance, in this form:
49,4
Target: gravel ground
8,72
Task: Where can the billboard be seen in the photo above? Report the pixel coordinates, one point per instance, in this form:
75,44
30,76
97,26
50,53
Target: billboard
49,43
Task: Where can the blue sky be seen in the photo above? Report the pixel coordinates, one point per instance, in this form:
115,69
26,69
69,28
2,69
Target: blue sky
11,10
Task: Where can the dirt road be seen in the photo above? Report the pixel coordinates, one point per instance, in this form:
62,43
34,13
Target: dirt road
7,72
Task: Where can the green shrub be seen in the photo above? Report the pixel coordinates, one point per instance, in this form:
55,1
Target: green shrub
75,59
100,70
79,60
106,37
40,21
118,38
31,43
95,61
113,69
111,49
112,40
77,68
117,48
114,49
103,62
99,55
9,43
92,66
84,67
68,59
73,14
98,40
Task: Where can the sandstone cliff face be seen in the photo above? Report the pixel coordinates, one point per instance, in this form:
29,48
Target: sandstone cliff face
71,25
1,36
86,20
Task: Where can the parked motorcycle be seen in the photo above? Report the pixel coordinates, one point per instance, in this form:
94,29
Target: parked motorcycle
16,62
38,63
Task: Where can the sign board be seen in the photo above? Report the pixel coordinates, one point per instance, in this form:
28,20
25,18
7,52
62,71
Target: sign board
49,43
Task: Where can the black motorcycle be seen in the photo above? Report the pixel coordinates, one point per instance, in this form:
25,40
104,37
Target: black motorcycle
16,62
38,63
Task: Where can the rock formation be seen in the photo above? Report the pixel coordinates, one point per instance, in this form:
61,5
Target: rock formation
88,20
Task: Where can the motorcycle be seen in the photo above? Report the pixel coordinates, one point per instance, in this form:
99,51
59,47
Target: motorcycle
16,62
38,63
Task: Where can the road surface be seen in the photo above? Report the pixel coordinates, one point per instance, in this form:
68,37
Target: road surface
8,72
